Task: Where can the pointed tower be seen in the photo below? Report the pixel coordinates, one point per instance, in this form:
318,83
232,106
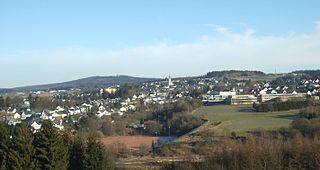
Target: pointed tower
170,82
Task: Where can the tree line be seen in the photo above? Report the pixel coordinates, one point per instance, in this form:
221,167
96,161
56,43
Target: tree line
274,106
298,153
234,73
20,148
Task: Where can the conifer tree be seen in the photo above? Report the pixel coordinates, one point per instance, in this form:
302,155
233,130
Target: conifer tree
96,157
51,151
77,151
1,103
13,160
21,148
4,140
7,102
23,144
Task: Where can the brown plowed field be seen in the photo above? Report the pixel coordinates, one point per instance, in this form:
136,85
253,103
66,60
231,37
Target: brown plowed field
132,142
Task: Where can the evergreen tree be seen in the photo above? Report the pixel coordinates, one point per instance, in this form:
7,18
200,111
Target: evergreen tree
76,159
4,140
7,102
30,98
31,101
13,160
21,151
96,157
1,103
51,151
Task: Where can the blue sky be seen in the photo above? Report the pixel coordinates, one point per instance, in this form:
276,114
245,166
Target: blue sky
52,41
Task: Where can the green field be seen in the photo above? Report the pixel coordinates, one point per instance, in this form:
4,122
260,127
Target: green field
243,119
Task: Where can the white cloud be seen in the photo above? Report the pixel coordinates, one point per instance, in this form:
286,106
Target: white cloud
234,50
219,28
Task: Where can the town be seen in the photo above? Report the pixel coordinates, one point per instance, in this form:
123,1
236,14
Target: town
65,106
159,85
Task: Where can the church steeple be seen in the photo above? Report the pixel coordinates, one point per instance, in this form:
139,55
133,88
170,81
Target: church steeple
169,81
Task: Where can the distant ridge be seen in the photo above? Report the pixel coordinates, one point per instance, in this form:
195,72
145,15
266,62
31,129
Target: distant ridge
234,73
89,82
103,81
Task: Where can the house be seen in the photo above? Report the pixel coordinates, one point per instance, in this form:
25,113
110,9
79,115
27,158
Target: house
132,107
25,116
16,116
263,91
59,115
26,103
58,124
46,116
14,122
10,110
315,91
274,92
123,109
59,109
86,107
309,93
134,97
102,108
74,110
103,113
128,100
36,126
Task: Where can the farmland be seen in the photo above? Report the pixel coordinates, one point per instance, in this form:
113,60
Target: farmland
135,142
243,119
131,142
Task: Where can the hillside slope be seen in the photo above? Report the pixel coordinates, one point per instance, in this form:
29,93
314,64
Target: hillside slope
89,82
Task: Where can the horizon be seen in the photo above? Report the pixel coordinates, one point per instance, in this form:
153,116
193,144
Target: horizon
46,42
270,73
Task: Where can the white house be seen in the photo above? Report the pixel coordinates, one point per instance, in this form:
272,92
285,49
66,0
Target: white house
134,97
103,113
59,109
274,92
132,107
25,116
13,122
102,108
36,126
16,116
44,116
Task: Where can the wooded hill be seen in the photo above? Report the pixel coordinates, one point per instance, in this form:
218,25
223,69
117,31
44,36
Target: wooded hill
89,82
233,73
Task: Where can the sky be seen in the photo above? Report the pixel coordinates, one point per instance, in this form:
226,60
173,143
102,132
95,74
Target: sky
57,40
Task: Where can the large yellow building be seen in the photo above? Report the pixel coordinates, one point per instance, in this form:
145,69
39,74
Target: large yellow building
110,90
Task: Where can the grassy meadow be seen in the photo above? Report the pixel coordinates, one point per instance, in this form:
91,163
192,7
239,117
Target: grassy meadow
242,119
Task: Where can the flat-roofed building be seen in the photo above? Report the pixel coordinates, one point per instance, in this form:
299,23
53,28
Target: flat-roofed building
218,96
224,93
290,96
241,99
